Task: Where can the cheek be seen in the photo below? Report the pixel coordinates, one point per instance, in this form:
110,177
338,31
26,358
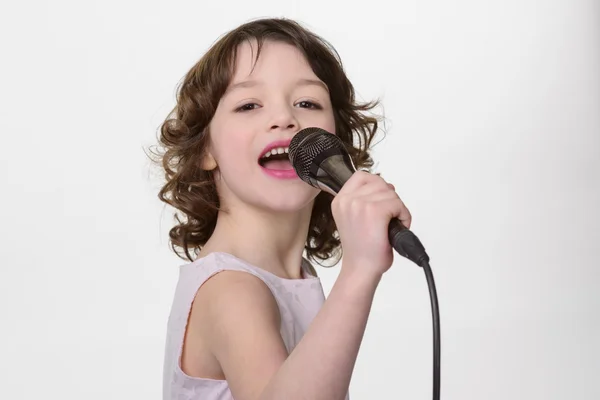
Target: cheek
330,126
329,122
231,142
323,120
234,154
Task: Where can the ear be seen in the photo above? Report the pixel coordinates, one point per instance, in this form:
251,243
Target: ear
208,162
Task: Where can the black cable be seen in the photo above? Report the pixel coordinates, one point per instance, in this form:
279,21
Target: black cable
408,245
435,314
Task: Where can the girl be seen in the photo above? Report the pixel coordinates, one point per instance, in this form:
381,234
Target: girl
249,319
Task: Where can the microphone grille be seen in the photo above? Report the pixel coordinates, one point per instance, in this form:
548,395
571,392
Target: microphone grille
306,145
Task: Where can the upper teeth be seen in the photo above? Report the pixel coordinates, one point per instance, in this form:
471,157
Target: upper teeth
277,150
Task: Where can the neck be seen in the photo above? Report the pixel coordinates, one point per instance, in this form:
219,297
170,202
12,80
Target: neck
271,241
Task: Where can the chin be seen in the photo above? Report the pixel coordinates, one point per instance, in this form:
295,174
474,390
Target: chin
290,200
285,196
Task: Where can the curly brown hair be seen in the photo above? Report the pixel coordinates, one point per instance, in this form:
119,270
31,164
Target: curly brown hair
184,134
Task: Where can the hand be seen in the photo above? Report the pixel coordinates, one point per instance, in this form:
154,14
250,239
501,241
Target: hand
362,210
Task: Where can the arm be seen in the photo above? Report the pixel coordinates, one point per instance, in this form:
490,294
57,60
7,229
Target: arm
244,328
240,321
321,366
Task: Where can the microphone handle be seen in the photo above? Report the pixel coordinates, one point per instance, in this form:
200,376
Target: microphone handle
406,243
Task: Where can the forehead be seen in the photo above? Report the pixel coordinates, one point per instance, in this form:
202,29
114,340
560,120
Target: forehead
276,60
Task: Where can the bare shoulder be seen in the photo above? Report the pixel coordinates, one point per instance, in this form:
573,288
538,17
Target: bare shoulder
232,294
239,320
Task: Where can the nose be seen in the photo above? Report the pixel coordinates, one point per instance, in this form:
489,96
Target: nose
283,119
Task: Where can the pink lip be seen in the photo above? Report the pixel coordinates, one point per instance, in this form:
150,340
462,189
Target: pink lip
278,173
275,144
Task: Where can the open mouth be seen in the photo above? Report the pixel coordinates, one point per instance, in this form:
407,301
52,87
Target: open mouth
276,159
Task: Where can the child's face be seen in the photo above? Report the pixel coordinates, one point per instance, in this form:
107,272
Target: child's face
281,96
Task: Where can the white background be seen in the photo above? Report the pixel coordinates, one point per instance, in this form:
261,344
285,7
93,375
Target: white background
493,141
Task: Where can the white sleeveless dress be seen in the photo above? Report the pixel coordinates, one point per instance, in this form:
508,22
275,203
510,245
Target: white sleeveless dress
299,300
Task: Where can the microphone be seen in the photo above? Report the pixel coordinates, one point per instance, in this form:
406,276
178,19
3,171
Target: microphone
320,159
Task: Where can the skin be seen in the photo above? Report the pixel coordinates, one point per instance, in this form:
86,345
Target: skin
233,332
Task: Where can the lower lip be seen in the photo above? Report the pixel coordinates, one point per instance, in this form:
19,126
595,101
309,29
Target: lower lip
280,173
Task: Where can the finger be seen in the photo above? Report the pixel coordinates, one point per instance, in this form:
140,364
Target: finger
395,206
402,213
405,217
357,180
371,185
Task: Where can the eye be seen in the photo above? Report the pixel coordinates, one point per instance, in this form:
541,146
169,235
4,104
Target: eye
247,107
309,104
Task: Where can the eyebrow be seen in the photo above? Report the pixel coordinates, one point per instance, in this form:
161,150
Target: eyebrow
301,82
307,82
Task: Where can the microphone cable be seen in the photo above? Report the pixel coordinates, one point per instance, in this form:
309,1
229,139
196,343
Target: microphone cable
408,245
435,316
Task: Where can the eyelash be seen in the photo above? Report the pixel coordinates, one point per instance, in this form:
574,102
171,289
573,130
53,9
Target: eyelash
312,106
